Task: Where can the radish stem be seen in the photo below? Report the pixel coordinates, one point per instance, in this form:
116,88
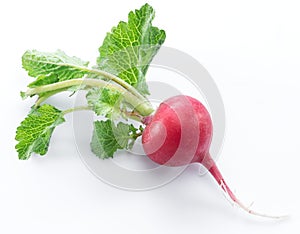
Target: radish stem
141,104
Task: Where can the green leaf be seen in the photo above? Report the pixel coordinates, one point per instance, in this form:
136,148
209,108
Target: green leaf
45,66
105,102
34,133
130,47
44,80
108,138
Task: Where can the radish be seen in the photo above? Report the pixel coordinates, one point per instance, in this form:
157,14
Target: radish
182,123
179,133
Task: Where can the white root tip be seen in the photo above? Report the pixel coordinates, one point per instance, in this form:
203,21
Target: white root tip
214,171
247,209
231,197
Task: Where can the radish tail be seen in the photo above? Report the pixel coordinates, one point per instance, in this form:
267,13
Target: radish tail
214,171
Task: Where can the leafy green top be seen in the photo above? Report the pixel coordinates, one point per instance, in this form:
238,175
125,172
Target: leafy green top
108,137
130,47
105,102
36,129
42,64
122,65
44,80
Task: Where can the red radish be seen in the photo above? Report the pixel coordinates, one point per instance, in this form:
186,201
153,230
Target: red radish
180,133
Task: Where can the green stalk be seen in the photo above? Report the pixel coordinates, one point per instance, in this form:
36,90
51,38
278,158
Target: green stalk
140,104
130,115
114,78
44,97
77,108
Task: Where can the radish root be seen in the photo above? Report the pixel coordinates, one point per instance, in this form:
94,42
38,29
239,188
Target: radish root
214,171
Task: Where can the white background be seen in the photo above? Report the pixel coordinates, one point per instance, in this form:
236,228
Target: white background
251,49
